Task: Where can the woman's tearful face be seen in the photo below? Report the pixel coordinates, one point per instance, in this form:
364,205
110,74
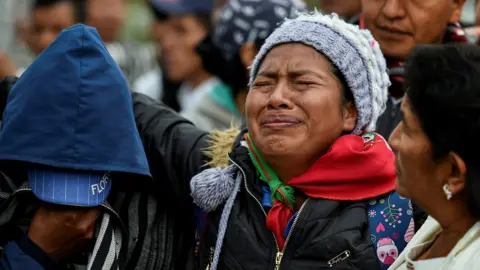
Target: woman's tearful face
295,106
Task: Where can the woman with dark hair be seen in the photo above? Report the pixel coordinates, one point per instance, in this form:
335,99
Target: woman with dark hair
437,161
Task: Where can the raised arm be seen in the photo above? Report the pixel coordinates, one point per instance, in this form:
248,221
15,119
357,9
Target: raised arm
174,147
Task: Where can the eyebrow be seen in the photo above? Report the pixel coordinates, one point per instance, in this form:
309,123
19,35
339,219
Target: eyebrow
295,73
268,74
303,72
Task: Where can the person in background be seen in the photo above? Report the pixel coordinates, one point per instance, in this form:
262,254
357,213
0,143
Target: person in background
347,9
475,29
399,25
155,83
169,95
48,19
229,51
185,24
437,164
108,17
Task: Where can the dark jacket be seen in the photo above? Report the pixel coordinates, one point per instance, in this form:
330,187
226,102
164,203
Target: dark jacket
390,118
175,152
326,234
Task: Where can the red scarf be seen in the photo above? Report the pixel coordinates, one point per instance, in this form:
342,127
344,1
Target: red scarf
354,168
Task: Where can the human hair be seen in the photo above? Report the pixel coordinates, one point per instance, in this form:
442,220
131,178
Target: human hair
77,5
47,3
443,87
205,20
157,14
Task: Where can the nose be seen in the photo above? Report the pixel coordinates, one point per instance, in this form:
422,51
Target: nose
280,98
389,260
394,138
394,9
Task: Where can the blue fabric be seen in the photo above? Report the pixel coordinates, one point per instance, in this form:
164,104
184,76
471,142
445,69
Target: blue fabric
391,226
72,109
289,225
267,203
200,221
175,7
266,197
14,258
222,95
79,188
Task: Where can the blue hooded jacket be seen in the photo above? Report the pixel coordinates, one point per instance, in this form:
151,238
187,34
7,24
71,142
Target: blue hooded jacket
72,109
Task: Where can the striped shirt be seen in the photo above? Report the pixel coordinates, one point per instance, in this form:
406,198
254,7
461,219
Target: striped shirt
133,59
149,234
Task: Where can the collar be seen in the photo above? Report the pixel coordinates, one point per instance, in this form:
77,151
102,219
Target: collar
189,95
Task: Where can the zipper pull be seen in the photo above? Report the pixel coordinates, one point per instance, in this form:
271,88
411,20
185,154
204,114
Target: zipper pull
212,251
278,260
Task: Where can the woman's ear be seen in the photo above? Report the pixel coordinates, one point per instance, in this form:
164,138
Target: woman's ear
350,113
458,174
247,54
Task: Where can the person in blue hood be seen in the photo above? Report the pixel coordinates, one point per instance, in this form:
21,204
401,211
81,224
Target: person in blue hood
69,153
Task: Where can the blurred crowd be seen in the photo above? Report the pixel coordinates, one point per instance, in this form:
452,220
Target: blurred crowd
342,129
181,66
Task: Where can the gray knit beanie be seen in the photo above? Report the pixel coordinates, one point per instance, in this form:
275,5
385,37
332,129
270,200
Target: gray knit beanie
353,51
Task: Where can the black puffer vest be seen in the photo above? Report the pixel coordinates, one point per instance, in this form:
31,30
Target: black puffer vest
325,234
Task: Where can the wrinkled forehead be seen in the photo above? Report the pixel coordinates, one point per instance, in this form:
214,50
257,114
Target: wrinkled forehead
292,57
